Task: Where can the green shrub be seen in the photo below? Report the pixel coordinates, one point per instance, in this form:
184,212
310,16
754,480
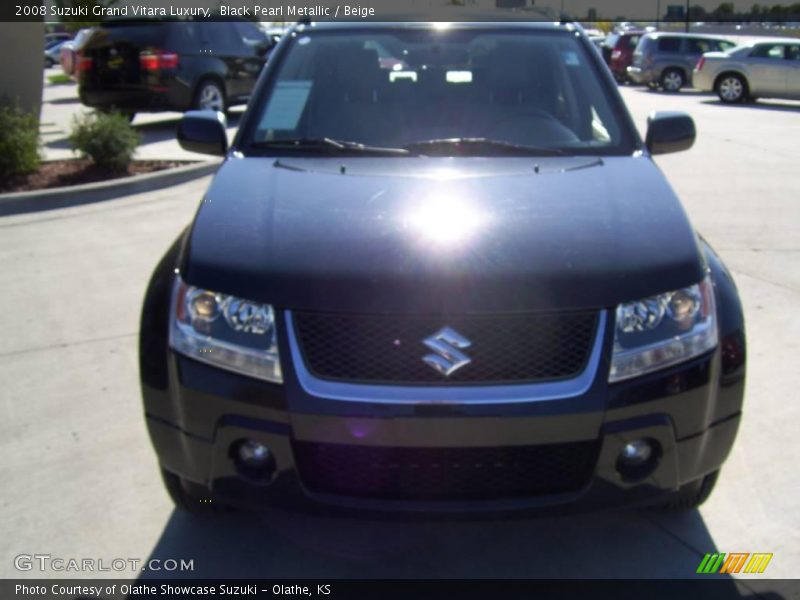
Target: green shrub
19,141
59,79
108,139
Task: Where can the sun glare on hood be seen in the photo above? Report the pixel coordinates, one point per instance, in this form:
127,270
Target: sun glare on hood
445,220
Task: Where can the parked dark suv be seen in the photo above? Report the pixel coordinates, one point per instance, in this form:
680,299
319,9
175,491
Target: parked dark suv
150,66
454,281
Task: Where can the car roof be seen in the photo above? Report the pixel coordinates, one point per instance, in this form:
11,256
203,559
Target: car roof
678,34
352,25
771,40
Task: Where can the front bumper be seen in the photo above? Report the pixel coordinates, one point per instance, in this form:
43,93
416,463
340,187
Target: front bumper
196,422
136,98
210,462
642,76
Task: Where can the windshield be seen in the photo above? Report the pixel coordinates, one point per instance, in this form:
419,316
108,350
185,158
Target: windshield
462,89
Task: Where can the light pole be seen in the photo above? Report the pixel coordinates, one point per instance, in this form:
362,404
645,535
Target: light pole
687,16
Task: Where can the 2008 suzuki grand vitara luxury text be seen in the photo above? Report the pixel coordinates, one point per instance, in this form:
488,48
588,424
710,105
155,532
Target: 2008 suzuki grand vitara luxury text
439,271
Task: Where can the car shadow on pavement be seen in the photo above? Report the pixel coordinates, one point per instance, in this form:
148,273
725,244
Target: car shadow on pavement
66,100
154,132
61,143
760,105
282,544
691,92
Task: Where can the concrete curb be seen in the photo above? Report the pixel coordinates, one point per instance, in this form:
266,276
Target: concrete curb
76,195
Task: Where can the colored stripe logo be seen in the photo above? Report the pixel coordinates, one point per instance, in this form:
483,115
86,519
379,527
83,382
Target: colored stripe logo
734,562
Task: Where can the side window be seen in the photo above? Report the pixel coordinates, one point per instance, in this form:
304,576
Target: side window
186,36
250,33
724,46
633,41
701,46
793,52
223,39
669,44
773,51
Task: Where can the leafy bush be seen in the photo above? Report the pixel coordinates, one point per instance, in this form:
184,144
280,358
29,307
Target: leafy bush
108,139
19,141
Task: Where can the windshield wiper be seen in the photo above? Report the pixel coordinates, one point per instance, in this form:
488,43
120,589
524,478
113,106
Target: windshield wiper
472,145
327,145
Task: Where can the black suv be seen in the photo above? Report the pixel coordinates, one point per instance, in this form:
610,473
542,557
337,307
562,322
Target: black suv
135,66
440,271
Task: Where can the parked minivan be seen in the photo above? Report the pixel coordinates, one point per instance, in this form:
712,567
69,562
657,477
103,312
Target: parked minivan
665,60
152,66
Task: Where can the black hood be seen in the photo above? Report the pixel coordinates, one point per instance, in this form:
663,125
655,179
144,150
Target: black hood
433,235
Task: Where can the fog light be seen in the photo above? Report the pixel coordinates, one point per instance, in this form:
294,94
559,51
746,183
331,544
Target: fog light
638,459
636,452
254,454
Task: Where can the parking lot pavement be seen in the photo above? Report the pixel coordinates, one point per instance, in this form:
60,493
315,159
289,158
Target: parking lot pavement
61,104
82,481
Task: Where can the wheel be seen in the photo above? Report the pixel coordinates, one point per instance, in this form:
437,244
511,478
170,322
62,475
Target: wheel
731,89
672,80
692,494
190,497
210,96
48,62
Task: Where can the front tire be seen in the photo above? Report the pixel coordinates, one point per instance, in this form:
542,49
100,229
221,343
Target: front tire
692,494
210,96
731,89
672,80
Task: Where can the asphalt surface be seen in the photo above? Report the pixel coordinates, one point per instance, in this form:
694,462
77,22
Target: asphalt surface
81,481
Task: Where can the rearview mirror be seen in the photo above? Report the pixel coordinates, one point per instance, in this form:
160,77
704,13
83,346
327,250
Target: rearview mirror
669,132
203,131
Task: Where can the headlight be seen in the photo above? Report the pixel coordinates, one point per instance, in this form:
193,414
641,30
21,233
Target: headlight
663,330
229,332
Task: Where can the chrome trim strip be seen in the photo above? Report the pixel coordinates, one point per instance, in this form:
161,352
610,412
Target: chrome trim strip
420,394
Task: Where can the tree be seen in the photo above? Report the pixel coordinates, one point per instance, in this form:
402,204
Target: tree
697,13
724,12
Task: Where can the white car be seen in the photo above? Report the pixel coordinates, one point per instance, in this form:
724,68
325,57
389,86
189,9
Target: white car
769,68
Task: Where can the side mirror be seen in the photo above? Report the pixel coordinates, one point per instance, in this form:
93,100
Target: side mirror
669,132
203,131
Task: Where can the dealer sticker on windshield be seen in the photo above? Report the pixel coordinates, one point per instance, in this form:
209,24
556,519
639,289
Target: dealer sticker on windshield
286,105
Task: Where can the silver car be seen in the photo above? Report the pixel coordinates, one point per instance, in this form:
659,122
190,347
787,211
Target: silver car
768,68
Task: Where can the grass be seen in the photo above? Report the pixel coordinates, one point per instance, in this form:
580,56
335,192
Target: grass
59,79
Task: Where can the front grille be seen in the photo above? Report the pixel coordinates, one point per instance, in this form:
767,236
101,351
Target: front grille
389,349
445,473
